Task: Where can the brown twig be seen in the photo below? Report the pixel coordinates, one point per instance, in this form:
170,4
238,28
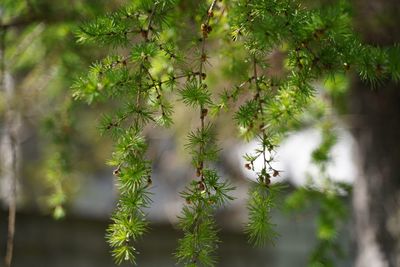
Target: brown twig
205,28
260,113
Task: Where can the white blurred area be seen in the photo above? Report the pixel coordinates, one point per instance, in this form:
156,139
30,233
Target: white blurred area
293,159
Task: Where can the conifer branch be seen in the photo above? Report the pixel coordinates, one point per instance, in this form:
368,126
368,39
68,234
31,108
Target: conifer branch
326,46
200,239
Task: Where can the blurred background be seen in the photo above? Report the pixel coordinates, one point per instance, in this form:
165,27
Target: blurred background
62,222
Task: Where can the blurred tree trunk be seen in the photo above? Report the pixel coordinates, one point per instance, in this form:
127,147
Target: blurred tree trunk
9,148
377,190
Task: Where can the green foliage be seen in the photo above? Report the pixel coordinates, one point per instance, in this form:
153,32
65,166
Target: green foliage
128,79
321,154
158,52
58,169
193,95
200,239
133,173
331,215
330,199
56,201
260,228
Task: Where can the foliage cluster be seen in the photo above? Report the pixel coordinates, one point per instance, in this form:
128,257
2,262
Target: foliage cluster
163,51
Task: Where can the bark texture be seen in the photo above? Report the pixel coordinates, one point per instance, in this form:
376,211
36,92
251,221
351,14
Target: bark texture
376,196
